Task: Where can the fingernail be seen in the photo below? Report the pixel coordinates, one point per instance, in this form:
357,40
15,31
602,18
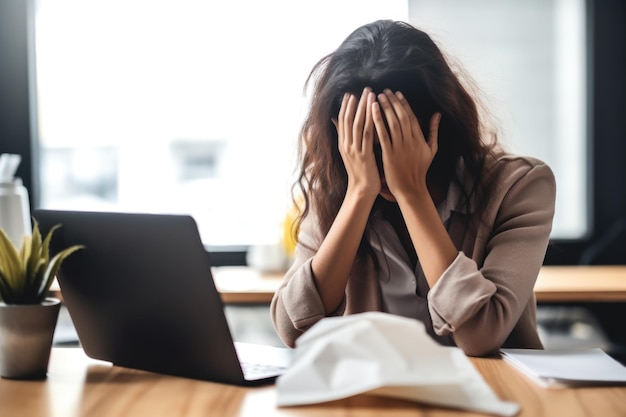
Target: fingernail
399,95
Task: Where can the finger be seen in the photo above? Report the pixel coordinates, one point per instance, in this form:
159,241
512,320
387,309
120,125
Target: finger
340,118
404,117
368,127
342,109
381,128
433,137
348,118
360,116
393,125
415,128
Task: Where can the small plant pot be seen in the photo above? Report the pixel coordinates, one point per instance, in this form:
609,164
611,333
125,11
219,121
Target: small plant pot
26,333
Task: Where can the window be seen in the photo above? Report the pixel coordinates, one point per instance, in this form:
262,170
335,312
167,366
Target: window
192,106
529,57
182,105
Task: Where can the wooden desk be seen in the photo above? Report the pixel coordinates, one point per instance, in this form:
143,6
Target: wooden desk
239,284
554,284
78,386
581,284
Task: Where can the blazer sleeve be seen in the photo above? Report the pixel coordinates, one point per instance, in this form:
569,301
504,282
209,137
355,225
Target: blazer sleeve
481,304
297,304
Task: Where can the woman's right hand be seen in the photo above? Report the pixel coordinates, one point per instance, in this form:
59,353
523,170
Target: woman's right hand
334,260
355,130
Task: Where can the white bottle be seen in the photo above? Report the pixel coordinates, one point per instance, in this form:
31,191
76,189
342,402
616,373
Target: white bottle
15,211
269,257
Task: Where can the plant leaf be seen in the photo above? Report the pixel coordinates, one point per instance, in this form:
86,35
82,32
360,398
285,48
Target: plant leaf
33,282
6,292
25,249
26,275
30,263
52,269
45,247
10,264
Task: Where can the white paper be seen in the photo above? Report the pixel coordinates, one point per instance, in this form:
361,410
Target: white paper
567,367
383,354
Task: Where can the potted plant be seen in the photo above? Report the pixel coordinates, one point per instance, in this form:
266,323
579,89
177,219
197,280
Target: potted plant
28,316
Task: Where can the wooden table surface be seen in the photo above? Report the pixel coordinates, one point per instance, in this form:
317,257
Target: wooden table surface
79,387
245,285
567,284
581,284
554,284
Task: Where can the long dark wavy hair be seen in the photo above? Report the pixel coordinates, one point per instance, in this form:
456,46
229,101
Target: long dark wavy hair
395,55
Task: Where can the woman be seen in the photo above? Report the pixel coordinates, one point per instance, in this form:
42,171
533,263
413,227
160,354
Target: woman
410,206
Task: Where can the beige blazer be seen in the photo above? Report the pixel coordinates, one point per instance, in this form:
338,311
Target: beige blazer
484,300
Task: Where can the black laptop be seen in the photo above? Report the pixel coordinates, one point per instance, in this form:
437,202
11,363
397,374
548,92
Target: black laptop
141,295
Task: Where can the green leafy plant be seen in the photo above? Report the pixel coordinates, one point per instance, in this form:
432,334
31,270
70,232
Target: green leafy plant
27,274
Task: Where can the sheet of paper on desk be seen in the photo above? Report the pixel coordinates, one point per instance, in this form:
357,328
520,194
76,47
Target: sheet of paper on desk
567,367
383,354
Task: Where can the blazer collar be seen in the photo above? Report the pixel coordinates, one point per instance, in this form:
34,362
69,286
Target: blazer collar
453,202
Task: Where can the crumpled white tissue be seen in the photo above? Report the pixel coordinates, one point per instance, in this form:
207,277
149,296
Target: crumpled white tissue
383,354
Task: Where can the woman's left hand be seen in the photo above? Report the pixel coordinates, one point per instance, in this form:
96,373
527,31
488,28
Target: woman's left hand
407,154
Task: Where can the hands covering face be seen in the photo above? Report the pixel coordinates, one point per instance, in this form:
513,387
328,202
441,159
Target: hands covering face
406,153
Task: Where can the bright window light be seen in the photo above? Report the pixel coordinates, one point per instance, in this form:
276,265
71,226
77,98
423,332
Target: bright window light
529,59
186,106
194,106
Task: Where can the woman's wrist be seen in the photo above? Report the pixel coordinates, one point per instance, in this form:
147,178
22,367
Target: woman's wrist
361,195
416,196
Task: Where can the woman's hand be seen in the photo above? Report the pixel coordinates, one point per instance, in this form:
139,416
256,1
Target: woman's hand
355,130
335,257
407,154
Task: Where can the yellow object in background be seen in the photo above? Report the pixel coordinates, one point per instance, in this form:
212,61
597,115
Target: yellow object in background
290,232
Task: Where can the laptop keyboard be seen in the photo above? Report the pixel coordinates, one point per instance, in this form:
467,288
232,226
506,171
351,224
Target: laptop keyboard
261,370
259,361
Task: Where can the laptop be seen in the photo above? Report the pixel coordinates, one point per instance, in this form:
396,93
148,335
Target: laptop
141,295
